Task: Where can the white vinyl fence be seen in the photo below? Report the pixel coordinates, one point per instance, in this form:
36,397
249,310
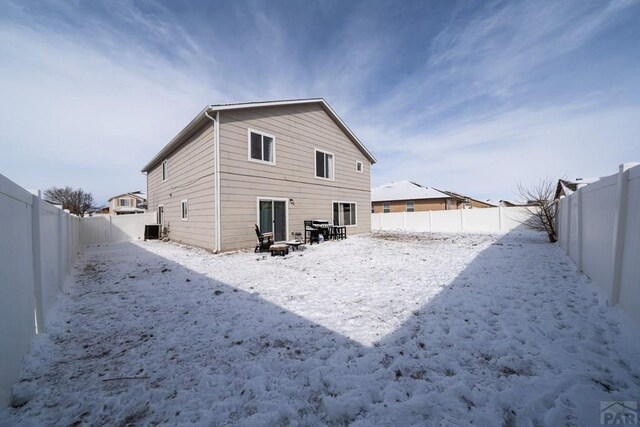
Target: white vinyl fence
460,220
109,228
599,228
38,245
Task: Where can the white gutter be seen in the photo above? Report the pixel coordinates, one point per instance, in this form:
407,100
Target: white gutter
216,131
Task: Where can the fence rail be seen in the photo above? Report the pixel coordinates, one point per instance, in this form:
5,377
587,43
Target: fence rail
599,228
467,220
38,247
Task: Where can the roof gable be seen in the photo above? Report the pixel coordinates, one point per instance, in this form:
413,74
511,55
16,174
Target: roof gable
405,190
180,138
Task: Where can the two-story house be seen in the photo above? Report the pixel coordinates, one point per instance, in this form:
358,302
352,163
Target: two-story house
128,203
275,164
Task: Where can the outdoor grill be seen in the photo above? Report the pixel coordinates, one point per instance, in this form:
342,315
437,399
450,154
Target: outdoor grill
320,223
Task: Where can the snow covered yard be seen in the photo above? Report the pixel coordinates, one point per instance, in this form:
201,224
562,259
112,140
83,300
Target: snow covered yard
388,329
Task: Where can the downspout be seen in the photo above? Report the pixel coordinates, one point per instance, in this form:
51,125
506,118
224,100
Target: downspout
216,131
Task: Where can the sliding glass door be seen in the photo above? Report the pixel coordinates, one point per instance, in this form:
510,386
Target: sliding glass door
272,215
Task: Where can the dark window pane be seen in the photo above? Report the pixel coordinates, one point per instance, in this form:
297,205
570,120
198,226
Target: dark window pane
256,146
266,216
267,149
320,164
336,214
347,213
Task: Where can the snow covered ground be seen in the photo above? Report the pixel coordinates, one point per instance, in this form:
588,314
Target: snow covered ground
388,329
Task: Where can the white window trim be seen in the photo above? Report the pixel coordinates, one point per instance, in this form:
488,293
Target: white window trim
383,207
406,205
157,219
315,172
358,162
276,199
165,170
351,203
259,132
181,210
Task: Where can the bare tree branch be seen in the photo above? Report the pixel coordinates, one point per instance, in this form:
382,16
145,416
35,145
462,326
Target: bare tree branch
542,206
77,201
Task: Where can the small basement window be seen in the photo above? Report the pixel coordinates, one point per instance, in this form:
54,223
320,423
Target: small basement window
184,210
262,147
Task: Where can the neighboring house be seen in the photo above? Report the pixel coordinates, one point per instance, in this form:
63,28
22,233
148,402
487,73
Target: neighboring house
567,186
407,196
274,164
128,203
466,202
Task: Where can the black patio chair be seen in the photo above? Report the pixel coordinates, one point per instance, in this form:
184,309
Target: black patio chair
265,240
339,231
311,233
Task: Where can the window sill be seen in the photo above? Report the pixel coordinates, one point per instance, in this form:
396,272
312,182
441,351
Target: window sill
262,162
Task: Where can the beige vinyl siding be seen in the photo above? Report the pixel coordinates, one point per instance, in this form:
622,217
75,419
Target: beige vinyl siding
190,176
299,129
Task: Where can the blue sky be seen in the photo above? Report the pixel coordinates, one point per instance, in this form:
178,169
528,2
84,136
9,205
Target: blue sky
466,96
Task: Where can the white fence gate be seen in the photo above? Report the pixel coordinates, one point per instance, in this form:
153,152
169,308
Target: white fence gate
38,247
467,220
599,228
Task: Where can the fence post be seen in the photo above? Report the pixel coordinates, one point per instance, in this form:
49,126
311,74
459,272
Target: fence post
404,221
500,213
37,262
619,230
579,227
430,222
60,250
569,216
462,219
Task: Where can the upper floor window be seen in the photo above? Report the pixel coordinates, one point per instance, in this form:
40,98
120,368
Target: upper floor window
324,165
123,202
165,171
262,147
411,207
386,207
359,166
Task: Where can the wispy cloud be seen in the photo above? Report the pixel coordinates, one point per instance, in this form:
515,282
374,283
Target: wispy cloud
454,96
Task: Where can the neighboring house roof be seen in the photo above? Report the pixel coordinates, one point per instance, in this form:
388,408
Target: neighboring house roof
513,204
463,197
405,190
136,194
180,137
568,186
127,209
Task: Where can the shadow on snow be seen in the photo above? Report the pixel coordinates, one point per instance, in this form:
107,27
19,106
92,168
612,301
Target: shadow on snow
502,343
